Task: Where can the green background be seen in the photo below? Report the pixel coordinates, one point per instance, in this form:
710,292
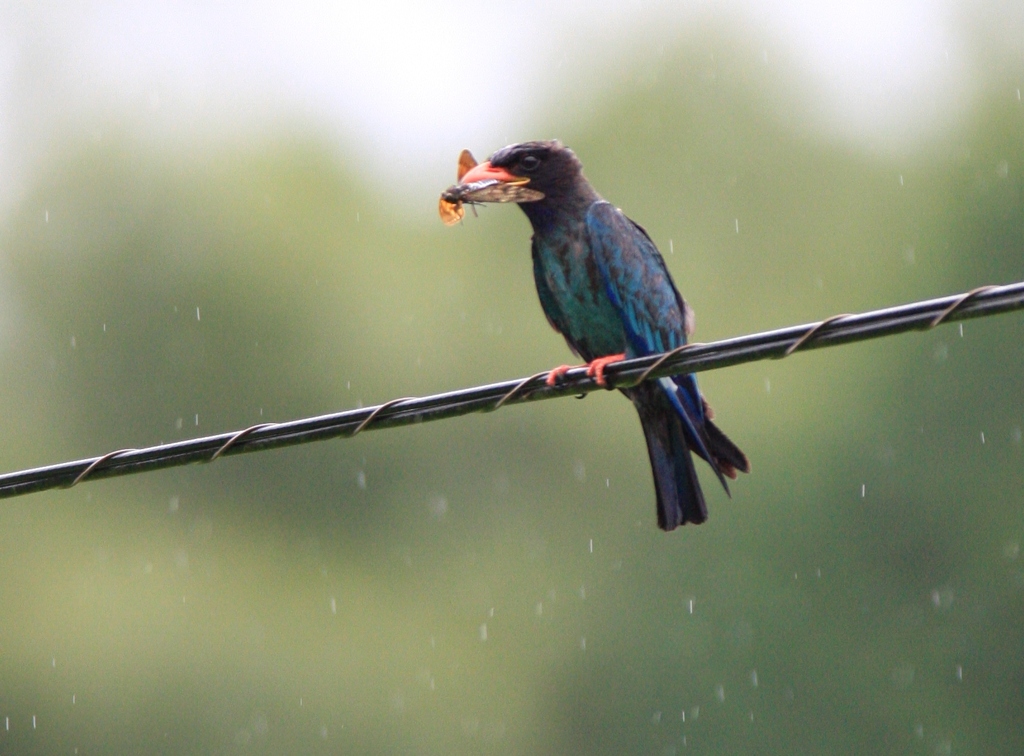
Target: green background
496,583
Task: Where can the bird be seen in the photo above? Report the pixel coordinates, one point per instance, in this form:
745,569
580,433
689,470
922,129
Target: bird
604,286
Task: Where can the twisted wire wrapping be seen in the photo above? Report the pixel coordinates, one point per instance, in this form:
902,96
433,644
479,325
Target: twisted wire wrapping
96,463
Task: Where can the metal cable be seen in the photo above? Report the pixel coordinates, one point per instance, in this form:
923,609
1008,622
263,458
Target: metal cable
693,358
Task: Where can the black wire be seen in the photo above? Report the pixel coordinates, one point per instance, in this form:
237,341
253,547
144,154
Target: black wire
983,301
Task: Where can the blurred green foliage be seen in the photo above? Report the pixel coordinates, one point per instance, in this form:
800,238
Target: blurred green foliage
497,583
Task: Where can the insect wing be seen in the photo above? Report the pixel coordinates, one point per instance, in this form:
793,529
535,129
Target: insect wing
501,192
466,163
450,212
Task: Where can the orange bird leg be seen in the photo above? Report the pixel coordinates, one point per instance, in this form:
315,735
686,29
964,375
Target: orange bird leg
558,374
596,367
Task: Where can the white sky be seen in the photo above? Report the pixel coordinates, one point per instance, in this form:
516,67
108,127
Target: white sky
408,84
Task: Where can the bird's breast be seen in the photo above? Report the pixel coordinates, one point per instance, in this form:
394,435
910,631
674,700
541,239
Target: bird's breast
583,312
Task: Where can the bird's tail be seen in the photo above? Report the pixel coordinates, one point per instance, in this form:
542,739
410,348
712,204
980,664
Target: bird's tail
680,499
724,452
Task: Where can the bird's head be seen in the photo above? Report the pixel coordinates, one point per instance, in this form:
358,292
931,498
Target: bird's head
547,166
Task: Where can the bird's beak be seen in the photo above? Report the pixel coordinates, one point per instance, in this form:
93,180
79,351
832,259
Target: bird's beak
487,172
482,183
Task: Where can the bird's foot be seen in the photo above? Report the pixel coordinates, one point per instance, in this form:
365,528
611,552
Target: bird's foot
558,374
595,369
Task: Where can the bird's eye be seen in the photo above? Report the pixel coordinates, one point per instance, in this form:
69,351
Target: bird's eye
529,163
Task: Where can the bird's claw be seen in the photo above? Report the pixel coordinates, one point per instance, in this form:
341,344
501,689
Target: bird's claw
596,367
558,374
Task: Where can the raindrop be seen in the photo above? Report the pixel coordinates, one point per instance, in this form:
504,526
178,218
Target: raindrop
901,179
104,328
959,673
47,214
720,693
691,606
361,480
583,643
767,385
33,721
671,248
483,631
74,344
863,490
334,605
753,677
197,312
591,545
197,418
438,506
607,482
983,437
961,330
737,225
942,598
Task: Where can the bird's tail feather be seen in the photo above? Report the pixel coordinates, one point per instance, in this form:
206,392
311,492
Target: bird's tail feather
680,499
692,420
726,454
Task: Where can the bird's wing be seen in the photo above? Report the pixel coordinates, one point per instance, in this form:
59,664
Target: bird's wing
653,313
636,281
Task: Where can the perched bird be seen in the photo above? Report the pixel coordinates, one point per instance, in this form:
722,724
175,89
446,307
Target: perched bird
604,286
